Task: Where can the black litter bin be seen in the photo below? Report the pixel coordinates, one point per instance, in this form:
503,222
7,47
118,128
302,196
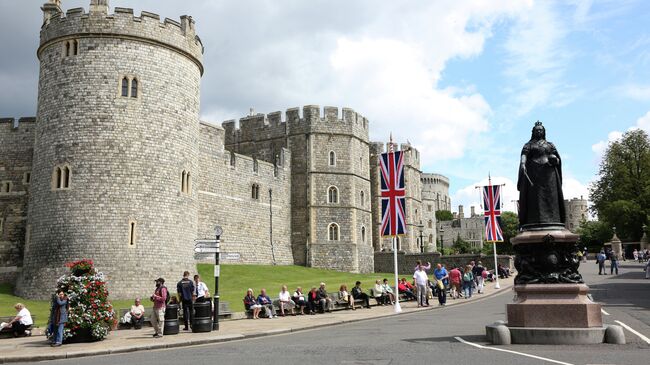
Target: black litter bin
202,317
171,320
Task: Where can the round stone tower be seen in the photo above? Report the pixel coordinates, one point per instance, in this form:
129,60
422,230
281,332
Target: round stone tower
115,153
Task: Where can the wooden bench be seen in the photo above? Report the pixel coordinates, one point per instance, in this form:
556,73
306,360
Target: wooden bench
6,332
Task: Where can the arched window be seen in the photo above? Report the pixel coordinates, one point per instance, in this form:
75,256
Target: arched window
125,86
56,178
430,224
333,232
332,195
255,192
183,180
332,158
67,49
363,198
66,177
134,88
363,234
399,243
61,177
188,184
132,225
75,47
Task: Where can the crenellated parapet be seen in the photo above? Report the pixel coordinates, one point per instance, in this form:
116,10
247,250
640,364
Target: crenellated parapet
14,123
313,119
429,179
178,36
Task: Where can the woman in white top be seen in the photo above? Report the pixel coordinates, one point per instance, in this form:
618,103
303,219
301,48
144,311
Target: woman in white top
285,301
300,300
23,320
347,297
379,294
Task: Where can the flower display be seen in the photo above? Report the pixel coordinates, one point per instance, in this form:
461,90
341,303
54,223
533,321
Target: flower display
90,309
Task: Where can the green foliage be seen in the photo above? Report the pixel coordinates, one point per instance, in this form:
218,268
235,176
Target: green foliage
621,195
461,246
593,234
510,227
444,215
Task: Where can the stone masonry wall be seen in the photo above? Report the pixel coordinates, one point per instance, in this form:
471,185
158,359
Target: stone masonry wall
406,262
225,199
16,151
126,154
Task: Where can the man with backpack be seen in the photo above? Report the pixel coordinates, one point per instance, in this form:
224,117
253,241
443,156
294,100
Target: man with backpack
185,290
160,298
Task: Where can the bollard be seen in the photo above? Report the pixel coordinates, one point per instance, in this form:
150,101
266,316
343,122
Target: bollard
171,320
202,317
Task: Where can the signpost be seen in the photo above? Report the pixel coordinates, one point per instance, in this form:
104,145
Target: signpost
212,246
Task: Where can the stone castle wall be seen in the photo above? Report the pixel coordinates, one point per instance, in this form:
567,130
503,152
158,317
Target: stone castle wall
225,198
16,150
124,206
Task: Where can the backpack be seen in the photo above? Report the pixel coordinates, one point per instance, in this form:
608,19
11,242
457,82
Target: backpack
167,297
468,276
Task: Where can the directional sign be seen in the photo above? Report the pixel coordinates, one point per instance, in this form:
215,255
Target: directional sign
207,245
206,249
208,241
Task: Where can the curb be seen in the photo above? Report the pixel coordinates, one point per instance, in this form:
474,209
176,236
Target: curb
223,338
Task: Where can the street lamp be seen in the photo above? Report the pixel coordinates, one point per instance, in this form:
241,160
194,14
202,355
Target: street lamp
421,228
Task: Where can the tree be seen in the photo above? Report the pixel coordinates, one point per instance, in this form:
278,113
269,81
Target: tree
621,195
510,228
593,234
443,215
462,246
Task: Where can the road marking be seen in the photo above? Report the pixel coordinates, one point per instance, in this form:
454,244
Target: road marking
512,352
641,336
603,311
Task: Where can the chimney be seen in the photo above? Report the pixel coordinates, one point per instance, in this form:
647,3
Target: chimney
50,9
461,214
473,209
99,7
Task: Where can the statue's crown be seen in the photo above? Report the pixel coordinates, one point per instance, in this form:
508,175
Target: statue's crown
538,123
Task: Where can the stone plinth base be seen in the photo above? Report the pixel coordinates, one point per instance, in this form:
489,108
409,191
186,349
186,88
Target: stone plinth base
501,334
553,306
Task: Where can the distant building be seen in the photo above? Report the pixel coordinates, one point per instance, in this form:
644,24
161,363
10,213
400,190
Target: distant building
469,229
576,212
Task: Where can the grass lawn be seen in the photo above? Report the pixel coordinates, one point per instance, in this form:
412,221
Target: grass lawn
233,282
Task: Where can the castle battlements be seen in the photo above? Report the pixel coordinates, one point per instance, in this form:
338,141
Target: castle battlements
412,154
434,179
16,123
331,120
77,24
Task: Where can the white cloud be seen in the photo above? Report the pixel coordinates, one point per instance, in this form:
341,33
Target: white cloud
572,188
636,92
600,147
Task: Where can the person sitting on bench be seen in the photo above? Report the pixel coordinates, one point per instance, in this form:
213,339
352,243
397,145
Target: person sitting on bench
137,314
22,323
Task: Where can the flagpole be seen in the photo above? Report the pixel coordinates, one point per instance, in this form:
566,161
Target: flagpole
398,308
496,271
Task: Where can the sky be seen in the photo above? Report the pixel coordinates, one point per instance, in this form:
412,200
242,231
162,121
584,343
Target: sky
462,81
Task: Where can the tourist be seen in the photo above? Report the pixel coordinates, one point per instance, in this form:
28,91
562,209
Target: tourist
635,255
284,298
478,276
267,304
388,291
137,314
59,317
600,259
503,271
312,300
300,300
418,264
22,322
613,259
159,299
378,293
346,297
201,292
647,270
408,285
421,279
185,292
454,282
403,289
357,293
250,303
324,299
442,276
468,281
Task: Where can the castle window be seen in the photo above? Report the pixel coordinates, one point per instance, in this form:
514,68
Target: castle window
132,235
332,195
61,177
186,184
430,224
134,88
27,177
430,238
5,187
75,47
333,232
429,207
332,158
67,49
255,192
255,166
363,198
363,234
125,87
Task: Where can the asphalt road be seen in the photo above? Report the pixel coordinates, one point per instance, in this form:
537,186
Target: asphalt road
429,337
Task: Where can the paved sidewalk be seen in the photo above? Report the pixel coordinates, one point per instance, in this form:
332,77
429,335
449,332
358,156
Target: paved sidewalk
35,348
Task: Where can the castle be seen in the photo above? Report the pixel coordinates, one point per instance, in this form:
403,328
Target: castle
117,166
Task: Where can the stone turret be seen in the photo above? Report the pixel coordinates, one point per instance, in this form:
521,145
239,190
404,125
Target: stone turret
116,148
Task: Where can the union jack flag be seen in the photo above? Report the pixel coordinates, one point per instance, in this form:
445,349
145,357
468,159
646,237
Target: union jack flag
492,204
393,192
